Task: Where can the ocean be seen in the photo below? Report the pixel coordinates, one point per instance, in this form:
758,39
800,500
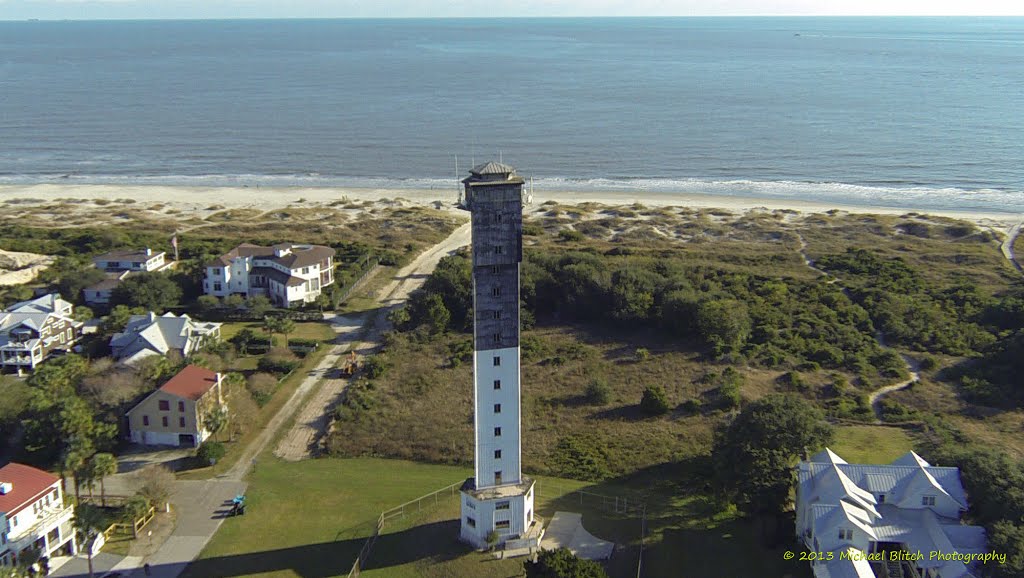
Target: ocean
913,112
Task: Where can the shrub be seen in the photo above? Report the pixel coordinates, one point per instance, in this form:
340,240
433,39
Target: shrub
376,366
262,387
691,405
580,458
642,354
654,401
570,235
278,360
209,452
598,391
928,363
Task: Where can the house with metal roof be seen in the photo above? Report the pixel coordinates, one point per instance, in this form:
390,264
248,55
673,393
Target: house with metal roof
884,521
119,264
288,274
176,413
153,334
31,331
33,514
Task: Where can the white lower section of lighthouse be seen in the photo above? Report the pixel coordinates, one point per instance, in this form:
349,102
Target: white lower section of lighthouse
498,498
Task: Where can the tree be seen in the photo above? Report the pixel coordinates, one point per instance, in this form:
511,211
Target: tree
284,327
258,305
598,391
103,464
271,325
724,324
1007,538
243,339
435,313
215,420
654,401
116,320
209,452
234,301
83,313
754,455
492,539
155,484
207,304
27,560
152,291
561,563
88,522
76,277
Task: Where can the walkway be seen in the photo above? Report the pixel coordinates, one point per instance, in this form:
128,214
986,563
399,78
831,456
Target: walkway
1007,246
566,531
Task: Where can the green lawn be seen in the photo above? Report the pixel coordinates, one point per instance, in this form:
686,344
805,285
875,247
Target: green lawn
871,444
309,519
303,329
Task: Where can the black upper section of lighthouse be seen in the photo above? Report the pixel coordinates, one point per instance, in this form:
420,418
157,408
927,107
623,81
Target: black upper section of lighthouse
494,196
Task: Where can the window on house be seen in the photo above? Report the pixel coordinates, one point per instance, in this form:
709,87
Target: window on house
495,269
497,384
498,249
497,408
216,287
502,525
881,498
497,217
181,406
501,505
928,501
497,361
497,432
845,534
165,405
497,338
165,421
145,420
496,291
14,521
497,314
497,454
470,504
497,477
216,271
181,421
471,522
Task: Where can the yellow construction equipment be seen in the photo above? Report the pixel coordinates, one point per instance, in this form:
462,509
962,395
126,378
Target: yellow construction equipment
350,367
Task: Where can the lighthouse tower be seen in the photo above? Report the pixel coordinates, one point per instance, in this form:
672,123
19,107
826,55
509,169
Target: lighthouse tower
498,498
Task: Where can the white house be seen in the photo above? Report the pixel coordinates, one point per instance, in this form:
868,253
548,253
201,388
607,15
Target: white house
139,261
31,331
873,520
33,514
287,273
175,414
151,334
119,264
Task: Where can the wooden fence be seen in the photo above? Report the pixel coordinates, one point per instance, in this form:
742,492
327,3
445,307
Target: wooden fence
132,529
431,500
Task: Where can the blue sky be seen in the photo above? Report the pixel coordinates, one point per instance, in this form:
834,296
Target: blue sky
99,9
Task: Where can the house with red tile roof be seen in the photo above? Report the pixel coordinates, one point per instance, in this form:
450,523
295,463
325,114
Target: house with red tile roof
33,514
176,414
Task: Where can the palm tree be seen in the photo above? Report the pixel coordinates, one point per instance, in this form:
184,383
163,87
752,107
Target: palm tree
270,325
103,465
88,522
285,326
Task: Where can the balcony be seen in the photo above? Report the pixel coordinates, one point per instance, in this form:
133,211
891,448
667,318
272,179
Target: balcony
21,538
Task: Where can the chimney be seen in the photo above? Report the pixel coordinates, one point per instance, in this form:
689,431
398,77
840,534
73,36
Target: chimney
149,252
220,398
6,488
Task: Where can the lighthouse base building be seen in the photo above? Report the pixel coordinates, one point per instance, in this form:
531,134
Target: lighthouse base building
497,503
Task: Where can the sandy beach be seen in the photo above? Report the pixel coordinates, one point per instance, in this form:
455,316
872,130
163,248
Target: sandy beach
200,201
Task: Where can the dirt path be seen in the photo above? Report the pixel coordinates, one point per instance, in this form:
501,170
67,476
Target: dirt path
361,333
875,399
912,366
1007,246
